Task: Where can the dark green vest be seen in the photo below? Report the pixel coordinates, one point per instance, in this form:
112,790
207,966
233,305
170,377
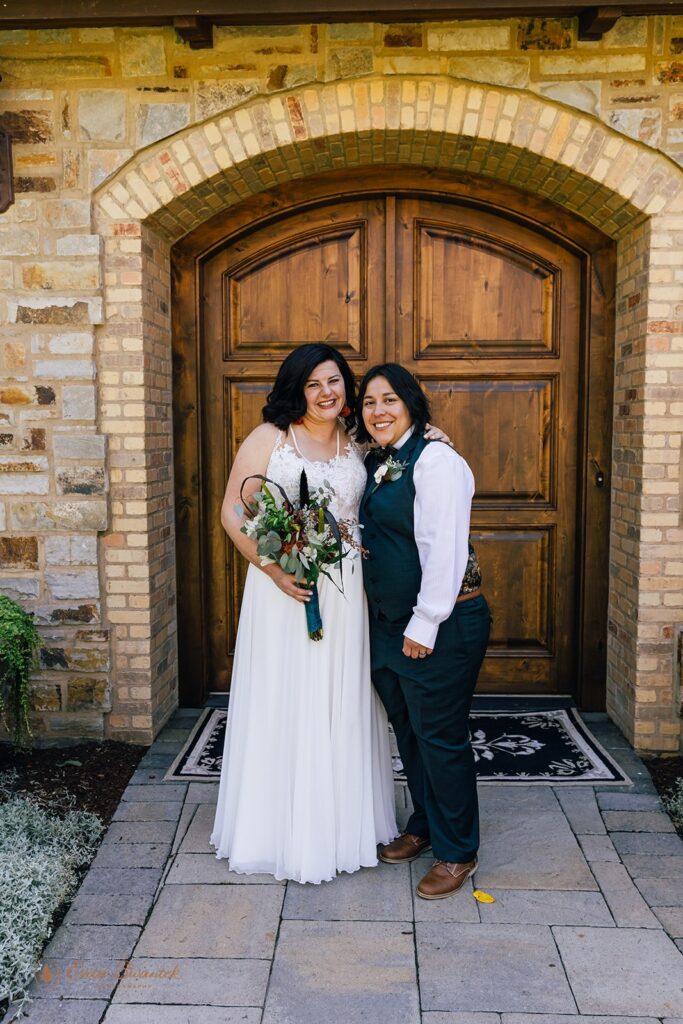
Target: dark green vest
391,573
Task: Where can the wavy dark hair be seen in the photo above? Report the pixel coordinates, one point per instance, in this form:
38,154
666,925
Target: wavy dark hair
286,403
405,386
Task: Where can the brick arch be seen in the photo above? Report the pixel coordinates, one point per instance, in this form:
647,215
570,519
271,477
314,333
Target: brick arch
510,135
630,192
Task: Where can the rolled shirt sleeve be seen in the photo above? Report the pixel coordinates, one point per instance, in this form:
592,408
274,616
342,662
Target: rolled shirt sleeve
444,486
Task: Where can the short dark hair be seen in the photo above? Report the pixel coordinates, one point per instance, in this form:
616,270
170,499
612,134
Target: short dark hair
286,403
405,386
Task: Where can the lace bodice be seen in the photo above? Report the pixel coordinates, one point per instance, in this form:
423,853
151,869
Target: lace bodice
345,473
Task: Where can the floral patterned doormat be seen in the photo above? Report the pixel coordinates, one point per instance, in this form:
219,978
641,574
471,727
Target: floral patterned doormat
524,747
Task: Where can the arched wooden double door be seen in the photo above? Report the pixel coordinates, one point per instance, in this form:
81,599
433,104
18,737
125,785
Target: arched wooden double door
493,314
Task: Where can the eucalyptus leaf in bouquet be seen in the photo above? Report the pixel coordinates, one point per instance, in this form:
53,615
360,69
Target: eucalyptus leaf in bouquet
303,537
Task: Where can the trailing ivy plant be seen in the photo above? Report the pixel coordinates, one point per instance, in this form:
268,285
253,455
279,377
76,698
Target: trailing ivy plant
18,642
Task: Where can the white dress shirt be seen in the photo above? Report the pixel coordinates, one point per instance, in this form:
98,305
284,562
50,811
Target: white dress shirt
444,486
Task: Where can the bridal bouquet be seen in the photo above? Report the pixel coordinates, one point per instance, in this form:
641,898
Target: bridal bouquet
304,538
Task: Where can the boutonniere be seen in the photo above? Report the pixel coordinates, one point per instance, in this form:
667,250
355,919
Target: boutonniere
390,469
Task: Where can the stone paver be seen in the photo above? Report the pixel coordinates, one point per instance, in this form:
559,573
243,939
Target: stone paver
202,793
186,816
84,940
581,808
455,1017
628,801
87,909
672,919
586,927
212,921
144,810
150,1013
562,1018
188,981
65,1011
598,848
371,894
638,821
660,891
131,855
654,843
162,792
546,906
342,972
121,881
206,868
642,865
527,842
499,967
140,832
625,902
196,838
629,971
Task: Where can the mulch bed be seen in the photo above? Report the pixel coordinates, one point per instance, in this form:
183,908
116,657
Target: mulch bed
87,776
82,777
665,772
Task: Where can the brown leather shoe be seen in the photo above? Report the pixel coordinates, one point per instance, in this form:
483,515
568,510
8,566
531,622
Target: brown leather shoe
404,849
445,879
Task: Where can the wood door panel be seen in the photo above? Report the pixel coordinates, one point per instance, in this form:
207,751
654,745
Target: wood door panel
515,564
243,402
490,322
468,288
318,275
307,289
504,428
500,303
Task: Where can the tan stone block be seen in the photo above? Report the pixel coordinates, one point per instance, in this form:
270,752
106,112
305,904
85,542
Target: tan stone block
46,696
142,53
484,36
59,276
410,64
86,692
508,71
349,62
47,69
561,64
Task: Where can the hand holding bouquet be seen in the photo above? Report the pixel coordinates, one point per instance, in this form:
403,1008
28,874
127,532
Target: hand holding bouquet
302,538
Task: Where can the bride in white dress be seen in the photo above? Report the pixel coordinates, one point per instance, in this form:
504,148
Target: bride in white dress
306,786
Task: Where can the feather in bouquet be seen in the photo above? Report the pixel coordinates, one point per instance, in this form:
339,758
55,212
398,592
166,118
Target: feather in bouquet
304,538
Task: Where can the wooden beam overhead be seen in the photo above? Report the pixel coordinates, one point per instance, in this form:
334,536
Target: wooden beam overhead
63,13
198,32
595,21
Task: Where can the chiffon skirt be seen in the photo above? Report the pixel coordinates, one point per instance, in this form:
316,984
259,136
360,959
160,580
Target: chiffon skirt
306,786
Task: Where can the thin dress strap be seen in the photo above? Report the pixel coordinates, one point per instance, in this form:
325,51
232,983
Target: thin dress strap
302,454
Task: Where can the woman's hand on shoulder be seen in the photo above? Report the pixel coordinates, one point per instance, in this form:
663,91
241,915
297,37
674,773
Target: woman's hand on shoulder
436,434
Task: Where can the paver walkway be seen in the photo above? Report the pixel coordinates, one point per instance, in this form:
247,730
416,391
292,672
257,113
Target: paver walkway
587,923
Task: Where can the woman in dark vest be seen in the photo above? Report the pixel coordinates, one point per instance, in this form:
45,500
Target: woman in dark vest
429,621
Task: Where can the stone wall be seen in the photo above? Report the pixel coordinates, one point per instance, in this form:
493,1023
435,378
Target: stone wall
85,392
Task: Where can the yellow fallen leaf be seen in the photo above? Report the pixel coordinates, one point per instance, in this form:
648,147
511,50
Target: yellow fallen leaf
483,897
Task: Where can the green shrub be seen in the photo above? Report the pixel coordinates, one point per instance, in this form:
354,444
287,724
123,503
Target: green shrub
18,642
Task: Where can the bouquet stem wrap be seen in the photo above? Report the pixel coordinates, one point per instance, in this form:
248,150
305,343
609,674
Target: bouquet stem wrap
313,619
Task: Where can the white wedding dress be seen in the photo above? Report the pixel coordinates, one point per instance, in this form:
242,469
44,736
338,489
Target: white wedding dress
306,786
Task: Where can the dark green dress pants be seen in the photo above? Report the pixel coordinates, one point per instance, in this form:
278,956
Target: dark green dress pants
428,703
